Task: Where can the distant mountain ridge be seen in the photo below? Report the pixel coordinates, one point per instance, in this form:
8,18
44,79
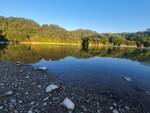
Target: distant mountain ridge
148,30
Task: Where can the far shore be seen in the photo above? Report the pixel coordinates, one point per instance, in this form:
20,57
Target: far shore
76,44
49,43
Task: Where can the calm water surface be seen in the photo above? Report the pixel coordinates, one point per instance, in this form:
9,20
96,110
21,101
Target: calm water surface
93,68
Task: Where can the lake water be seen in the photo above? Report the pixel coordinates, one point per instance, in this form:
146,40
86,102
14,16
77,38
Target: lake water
96,67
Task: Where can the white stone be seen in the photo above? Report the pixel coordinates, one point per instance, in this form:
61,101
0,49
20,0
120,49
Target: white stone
27,77
32,103
114,104
51,87
13,101
128,79
68,104
18,62
127,107
1,84
46,98
115,111
45,104
34,83
43,68
39,86
20,101
111,108
26,93
30,111
1,107
9,93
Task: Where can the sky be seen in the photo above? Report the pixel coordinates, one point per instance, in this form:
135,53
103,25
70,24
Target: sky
98,15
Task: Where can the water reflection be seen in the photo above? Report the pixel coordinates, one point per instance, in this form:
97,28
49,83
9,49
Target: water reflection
34,53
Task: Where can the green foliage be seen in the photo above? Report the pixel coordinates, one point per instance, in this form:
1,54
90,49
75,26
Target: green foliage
18,29
21,29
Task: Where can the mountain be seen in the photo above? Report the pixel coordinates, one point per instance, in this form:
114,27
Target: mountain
148,30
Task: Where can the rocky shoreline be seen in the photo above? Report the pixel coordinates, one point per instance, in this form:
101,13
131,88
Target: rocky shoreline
24,89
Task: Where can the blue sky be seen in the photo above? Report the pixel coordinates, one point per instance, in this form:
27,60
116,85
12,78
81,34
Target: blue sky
98,15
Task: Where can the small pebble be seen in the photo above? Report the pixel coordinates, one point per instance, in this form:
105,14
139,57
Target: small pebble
9,93
115,111
1,107
30,111
13,101
51,87
45,103
1,84
46,98
128,79
114,104
127,107
26,93
27,77
111,108
32,103
20,101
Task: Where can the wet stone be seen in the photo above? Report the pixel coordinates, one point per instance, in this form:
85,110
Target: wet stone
9,93
1,107
115,111
46,98
13,101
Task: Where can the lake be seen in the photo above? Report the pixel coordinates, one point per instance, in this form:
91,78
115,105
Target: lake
96,67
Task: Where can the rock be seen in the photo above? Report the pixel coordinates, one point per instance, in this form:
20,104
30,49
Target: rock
30,111
20,101
45,104
26,93
68,104
1,107
51,87
34,83
114,104
147,93
9,93
128,79
27,77
20,71
32,103
15,111
43,68
98,111
1,84
111,108
13,101
19,62
46,98
115,111
126,107
39,86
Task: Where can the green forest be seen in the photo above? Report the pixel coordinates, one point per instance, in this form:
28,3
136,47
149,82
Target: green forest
26,30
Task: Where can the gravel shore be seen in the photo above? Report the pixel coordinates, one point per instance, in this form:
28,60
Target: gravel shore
23,90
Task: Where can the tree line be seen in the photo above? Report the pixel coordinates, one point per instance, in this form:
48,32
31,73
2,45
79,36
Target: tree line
21,29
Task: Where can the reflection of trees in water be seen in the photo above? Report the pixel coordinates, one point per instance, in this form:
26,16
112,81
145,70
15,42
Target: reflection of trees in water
34,53
3,44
